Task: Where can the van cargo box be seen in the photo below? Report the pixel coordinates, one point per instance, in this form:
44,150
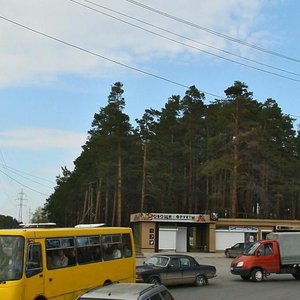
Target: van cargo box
289,246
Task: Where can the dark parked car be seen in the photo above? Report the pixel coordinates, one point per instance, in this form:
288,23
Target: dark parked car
174,269
236,249
128,291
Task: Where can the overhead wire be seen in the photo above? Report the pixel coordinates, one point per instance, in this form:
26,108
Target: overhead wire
6,169
102,56
207,52
224,36
18,173
186,38
24,185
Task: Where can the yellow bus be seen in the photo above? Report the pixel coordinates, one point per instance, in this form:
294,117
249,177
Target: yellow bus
62,263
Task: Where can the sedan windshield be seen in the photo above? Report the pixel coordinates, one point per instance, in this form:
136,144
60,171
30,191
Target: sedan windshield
11,257
158,261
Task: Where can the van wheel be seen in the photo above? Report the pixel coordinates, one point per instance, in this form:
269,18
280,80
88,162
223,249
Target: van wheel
257,275
227,254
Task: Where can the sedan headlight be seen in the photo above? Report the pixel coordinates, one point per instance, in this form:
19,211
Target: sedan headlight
240,264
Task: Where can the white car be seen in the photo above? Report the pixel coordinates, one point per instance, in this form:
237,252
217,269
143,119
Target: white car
128,291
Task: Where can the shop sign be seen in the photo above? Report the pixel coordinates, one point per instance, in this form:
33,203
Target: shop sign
164,217
244,229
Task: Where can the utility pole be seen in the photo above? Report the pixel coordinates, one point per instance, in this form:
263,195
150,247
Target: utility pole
29,215
21,200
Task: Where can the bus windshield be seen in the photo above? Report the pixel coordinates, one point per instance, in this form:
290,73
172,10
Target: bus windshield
11,257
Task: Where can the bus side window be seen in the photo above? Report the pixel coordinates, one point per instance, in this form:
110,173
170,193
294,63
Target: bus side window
126,241
107,252
34,260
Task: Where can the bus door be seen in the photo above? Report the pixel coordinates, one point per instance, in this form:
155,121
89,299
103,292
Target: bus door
34,282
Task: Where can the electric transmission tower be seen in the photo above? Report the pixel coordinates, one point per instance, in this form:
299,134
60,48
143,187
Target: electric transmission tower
21,204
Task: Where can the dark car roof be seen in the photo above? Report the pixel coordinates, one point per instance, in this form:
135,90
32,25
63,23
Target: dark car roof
242,244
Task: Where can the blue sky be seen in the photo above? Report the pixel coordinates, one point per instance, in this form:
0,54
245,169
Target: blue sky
49,91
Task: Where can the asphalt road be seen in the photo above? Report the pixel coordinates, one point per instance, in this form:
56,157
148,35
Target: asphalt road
227,286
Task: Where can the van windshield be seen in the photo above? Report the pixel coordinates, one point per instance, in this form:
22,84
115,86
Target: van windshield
250,250
11,257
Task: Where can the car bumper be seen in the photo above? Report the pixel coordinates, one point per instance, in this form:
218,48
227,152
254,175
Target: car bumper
240,271
210,275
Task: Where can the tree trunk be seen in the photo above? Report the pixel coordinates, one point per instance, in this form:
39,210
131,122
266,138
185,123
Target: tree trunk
98,202
234,182
91,205
144,178
114,210
119,189
106,206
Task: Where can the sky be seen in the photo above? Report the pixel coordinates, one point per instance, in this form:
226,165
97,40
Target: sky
59,59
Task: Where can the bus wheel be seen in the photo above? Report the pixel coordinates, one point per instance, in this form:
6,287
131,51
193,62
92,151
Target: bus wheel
40,298
257,275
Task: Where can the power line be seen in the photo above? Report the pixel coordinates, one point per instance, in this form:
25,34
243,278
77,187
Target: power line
24,185
103,57
18,174
16,171
186,38
227,37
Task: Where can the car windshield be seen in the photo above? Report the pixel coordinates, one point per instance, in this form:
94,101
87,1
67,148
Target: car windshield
250,250
237,246
158,261
11,257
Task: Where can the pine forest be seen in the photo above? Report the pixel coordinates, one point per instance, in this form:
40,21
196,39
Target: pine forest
236,157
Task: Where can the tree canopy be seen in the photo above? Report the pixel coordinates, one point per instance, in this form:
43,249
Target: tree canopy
236,156
8,222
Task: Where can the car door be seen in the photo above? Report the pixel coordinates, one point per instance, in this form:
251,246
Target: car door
188,270
34,283
172,274
237,249
265,256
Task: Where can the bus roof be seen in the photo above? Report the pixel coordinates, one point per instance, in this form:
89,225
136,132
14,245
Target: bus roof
63,231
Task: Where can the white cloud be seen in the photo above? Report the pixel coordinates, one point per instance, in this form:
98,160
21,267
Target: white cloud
28,58
31,138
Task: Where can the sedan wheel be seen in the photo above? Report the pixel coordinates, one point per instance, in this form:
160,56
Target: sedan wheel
154,280
200,280
296,276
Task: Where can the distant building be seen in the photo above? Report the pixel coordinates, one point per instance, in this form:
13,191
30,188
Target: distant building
156,232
